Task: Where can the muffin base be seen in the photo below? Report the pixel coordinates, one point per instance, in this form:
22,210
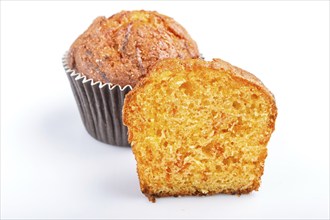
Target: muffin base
100,106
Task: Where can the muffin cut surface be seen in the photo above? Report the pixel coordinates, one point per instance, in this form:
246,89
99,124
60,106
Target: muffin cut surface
198,128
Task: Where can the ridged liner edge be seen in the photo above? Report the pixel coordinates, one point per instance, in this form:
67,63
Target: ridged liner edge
100,106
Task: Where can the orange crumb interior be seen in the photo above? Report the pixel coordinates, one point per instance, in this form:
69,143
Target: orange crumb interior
199,131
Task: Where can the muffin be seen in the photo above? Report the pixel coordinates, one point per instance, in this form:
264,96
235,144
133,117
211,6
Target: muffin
199,128
111,57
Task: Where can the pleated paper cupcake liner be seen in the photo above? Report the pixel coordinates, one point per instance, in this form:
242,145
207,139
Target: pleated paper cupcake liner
100,106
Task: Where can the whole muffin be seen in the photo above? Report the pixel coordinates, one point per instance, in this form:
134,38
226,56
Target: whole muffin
120,49
109,59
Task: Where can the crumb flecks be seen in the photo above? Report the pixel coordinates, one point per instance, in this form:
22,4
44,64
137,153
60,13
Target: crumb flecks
197,128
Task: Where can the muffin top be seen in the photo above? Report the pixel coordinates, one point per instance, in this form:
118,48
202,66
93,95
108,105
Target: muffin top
121,49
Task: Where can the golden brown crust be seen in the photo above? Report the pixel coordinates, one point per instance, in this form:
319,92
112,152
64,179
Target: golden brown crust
121,49
152,197
176,65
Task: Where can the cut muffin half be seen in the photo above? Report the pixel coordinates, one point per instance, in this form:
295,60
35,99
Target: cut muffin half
198,128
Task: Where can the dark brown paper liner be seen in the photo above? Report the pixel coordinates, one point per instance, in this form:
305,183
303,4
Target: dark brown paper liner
100,106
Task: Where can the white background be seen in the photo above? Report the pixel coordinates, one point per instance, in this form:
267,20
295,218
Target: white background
51,167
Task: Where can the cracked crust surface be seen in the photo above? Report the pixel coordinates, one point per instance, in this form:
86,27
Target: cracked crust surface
121,49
